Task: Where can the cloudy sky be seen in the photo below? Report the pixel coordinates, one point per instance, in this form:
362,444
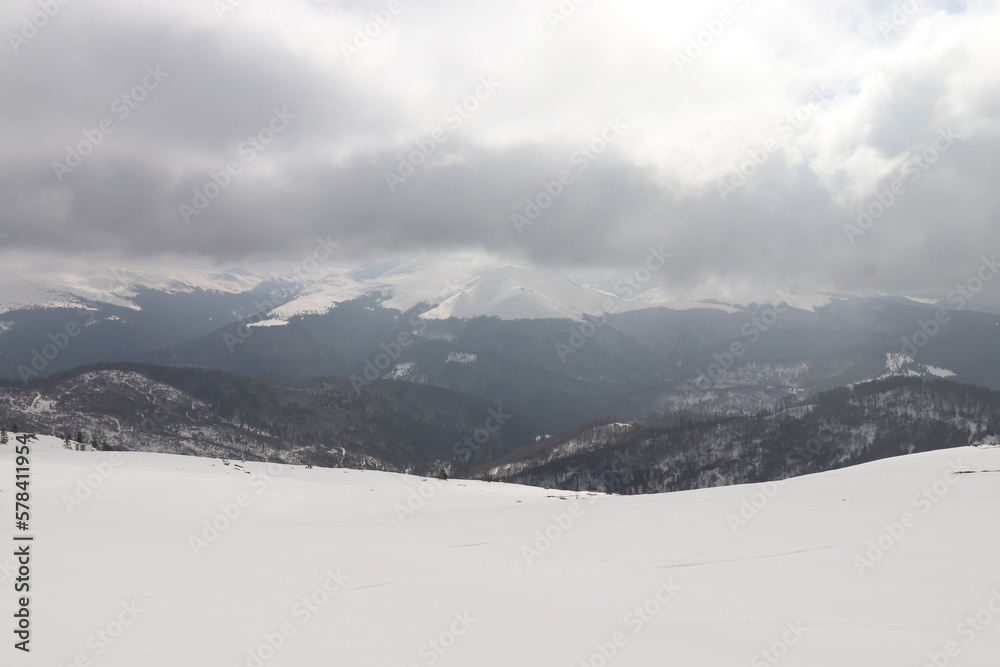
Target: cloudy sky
846,145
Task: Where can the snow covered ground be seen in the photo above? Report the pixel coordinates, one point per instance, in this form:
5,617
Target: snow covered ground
891,563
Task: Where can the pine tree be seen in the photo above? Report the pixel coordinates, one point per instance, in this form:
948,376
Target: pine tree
79,437
3,436
14,428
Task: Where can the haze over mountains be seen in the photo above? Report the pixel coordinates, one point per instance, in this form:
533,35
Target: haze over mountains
459,285
441,342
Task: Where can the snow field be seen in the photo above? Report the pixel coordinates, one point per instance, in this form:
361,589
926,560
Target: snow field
148,559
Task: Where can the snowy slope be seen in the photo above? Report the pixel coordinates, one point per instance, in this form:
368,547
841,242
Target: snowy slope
333,567
460,284
516,292
17,293
402,287
898,364
68,287
467,286
457,285
659,297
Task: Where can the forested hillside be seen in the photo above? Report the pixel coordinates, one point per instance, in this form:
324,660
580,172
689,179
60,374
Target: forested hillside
833,429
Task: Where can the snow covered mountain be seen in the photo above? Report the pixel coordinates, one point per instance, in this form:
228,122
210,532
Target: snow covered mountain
157,560
460,285
558,351
468,286
68,287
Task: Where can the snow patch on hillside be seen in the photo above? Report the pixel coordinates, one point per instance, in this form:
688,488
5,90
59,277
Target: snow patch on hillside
898,364
268,323
401,371
40,405
941,372
17,294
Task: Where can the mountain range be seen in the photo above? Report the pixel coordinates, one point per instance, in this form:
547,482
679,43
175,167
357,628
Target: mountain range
389,366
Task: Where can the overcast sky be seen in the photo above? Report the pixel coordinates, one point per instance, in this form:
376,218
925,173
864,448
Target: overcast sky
648,111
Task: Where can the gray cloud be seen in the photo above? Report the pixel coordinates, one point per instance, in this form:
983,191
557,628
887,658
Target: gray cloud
884,98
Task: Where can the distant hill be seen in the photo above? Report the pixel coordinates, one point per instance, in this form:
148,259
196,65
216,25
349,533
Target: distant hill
833,429
386,425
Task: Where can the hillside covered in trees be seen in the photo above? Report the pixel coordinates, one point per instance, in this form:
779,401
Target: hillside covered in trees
833,429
